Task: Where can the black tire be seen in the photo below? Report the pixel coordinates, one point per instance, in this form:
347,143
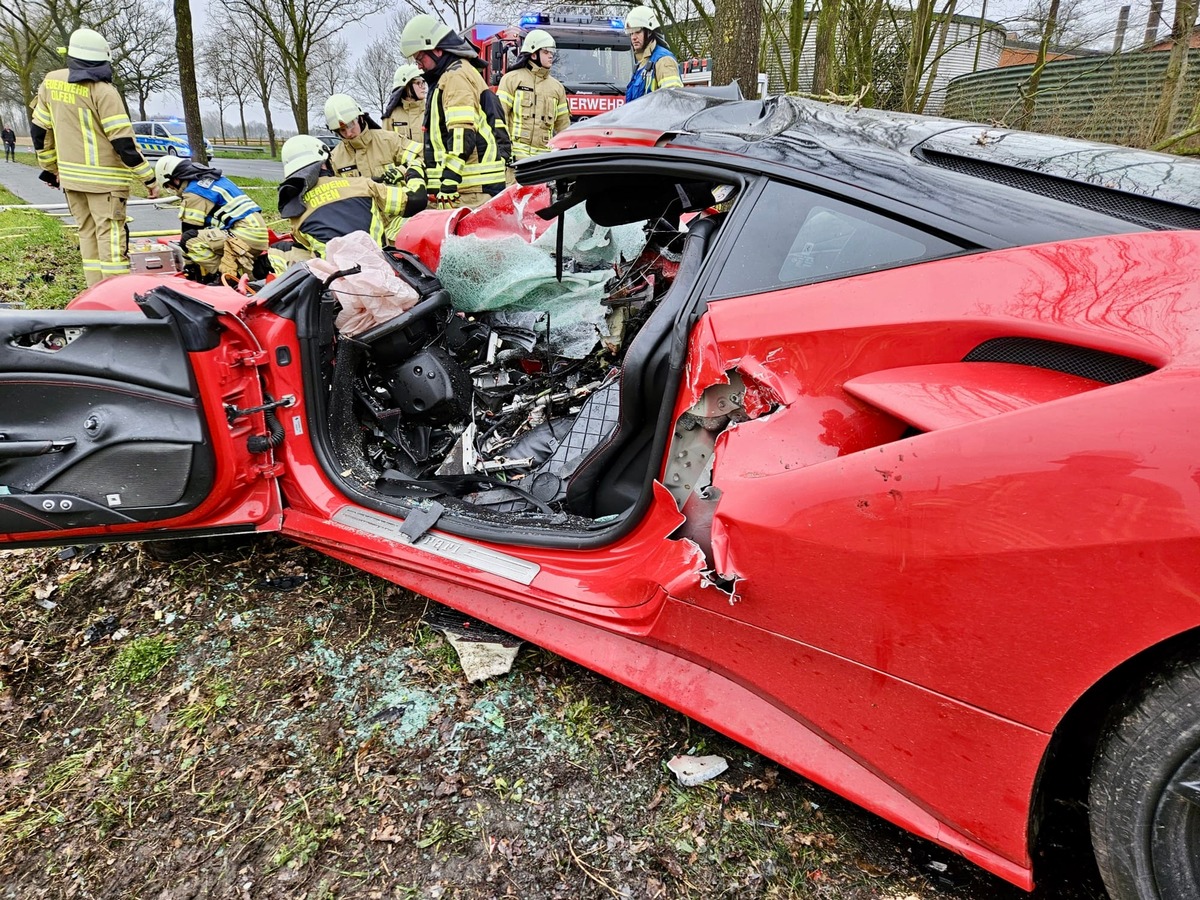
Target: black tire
1144,803
172,152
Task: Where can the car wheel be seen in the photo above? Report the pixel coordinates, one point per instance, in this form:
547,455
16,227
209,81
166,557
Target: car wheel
171,151
1144,804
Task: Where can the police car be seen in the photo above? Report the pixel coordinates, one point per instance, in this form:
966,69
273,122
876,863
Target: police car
167,138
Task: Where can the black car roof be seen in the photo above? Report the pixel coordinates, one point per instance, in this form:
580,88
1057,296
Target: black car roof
1023,187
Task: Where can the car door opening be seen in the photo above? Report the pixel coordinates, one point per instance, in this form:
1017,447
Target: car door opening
526,386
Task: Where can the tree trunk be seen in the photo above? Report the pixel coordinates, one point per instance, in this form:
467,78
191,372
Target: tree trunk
736,38
1173,81
142,98
28,92
300,105
823,63
918,45
931,74
797,31
270,128
1029,87
187,79
242,117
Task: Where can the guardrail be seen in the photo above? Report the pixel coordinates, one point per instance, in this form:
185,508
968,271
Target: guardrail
239,148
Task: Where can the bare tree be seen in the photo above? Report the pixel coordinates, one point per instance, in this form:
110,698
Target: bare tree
373,70
330,73
30,30
1073,24
142,36
1029,87
458,14
298,29
186,56
217,62
1173,80
23,49
824,73
786,28
691,24
262,63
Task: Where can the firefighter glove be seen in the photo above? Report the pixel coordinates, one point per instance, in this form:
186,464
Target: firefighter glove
445,199
51,178
392,175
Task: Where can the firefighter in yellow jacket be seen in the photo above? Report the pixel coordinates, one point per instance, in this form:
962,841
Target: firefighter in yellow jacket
466,143
405,110
366,150
323,205
535,102
84,143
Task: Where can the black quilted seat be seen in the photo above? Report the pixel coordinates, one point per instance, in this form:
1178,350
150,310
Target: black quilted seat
618,423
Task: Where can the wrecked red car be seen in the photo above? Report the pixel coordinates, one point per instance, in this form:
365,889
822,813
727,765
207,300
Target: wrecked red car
868,440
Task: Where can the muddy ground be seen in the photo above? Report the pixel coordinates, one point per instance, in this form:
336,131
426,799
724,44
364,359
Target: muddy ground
262,722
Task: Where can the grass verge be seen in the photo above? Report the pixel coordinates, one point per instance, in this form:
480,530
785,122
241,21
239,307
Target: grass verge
39,264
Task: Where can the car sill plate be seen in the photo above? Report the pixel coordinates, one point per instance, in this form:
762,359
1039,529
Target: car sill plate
500,564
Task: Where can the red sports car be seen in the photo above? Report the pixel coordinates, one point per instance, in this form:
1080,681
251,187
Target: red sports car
869,440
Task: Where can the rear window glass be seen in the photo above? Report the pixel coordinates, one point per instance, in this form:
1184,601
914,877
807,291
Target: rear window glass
796,236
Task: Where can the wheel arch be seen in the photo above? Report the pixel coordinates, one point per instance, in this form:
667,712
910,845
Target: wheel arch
1058,828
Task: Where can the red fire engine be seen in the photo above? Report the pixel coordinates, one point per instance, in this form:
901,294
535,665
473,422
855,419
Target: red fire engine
594,60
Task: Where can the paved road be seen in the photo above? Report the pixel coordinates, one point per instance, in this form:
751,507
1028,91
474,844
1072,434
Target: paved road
23,181
270,169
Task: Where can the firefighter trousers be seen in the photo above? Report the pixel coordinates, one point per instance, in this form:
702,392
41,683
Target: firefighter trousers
226,252
103,240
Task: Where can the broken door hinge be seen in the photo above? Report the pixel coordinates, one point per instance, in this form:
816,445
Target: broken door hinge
232,413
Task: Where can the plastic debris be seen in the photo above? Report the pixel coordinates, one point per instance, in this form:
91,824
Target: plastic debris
693,770
97,631
483,651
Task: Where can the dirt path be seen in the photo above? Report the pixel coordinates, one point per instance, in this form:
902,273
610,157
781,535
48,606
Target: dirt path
264,722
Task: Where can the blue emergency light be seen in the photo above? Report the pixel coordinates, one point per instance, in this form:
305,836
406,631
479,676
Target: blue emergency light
616,23
531,19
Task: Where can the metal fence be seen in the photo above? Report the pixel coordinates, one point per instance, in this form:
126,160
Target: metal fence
1103,98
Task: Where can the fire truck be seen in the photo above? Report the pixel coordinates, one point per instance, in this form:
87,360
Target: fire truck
594,60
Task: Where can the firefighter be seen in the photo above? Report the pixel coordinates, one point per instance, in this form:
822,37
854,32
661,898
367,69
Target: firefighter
323,205
466,142
405,111
84,144
657,67
223,230
366,149
534,101
406,106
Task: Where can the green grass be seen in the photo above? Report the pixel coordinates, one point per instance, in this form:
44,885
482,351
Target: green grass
265,193
39,263
141,659
236,154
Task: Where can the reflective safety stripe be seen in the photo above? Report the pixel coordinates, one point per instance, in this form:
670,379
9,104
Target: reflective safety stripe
101,176
253,230
460,117
113,123
91,153
461,153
